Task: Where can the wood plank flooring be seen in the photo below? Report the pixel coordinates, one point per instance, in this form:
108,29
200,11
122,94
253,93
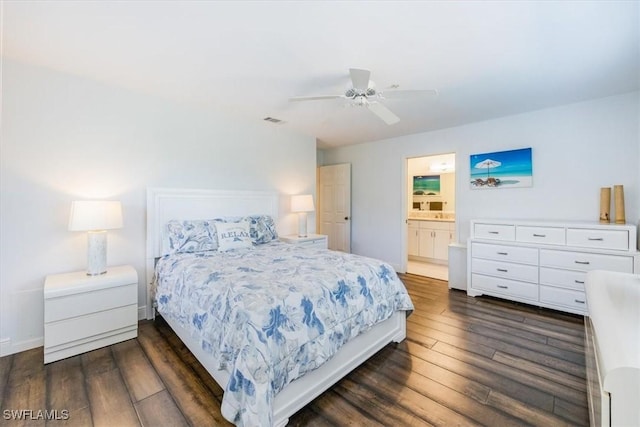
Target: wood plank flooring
466,361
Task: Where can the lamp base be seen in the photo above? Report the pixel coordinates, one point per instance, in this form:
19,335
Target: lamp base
302,224
96,253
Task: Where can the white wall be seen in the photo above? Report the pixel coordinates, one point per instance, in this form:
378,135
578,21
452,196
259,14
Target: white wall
66,138
577,149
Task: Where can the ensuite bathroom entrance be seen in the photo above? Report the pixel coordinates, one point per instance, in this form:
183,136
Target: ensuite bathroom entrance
431,184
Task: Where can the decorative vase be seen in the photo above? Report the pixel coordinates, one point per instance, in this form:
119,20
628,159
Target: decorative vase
605,204
618,195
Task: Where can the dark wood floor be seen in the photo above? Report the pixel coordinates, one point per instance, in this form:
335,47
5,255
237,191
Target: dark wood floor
466,361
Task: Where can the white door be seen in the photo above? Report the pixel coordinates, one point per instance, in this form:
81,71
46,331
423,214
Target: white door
335,205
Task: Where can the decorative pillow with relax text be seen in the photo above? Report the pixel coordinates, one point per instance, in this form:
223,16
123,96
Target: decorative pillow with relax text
233,235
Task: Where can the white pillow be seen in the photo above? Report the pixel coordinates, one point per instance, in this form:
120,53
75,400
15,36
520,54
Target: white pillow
233,235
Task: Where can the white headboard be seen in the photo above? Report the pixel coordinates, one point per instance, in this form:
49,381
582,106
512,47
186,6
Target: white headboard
165,204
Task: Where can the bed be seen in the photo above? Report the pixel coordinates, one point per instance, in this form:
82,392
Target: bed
274,324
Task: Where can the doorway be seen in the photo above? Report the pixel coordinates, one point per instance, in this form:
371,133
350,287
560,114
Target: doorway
431,214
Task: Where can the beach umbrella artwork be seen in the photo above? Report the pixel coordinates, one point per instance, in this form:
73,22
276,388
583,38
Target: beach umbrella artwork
487,164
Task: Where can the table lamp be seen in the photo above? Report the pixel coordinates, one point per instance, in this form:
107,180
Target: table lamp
302,204
95,217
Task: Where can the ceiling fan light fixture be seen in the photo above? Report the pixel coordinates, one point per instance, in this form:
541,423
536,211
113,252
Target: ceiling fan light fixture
361,100
362,93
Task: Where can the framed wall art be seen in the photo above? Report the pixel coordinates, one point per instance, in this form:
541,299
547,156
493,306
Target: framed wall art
501,169
426,185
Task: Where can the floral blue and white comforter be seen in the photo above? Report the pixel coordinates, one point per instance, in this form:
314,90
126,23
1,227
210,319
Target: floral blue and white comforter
271,313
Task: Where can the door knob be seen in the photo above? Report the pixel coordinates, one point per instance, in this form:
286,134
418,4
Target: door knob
346,218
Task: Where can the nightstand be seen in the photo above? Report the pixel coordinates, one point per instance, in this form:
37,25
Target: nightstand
316,241
83,313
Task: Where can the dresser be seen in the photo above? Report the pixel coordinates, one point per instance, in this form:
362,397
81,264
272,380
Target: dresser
545,263
83,313
316,241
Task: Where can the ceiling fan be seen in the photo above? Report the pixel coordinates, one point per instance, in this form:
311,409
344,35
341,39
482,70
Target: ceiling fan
362,92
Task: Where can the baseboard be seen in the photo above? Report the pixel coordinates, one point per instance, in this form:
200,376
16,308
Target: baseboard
142,312
5,344
7,348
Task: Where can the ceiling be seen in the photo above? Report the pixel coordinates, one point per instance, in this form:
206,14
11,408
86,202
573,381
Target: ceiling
486,59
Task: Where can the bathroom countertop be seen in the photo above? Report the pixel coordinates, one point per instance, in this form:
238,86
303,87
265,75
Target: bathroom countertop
414,218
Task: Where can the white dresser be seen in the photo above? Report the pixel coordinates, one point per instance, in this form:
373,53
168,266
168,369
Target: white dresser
545,263
82,313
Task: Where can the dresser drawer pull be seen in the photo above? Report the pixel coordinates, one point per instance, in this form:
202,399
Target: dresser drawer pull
597,239
539,235
502,270
502,253
583,262
579,301
503,287
494,232
581,282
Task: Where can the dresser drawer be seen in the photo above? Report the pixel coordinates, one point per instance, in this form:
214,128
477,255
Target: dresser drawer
585,261
600,239
494,231
506,287
505,253
576,300
543,235
569,279
527,273
84,327
82,303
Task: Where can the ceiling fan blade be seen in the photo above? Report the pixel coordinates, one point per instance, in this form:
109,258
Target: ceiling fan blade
360,79
384,113
394,94
314,98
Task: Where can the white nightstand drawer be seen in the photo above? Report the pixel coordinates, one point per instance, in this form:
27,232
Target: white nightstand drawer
583,261
316,241
527,273
505,286
505,253
82,313
576,300
89,302
544,235
494,231
601,239
569,279
69,330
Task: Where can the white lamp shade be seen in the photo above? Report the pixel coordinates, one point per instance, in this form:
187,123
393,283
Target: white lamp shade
95,215
302,203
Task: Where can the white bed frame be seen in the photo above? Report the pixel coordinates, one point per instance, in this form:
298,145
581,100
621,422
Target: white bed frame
164,204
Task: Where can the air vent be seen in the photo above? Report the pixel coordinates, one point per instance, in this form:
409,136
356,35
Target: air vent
273,120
